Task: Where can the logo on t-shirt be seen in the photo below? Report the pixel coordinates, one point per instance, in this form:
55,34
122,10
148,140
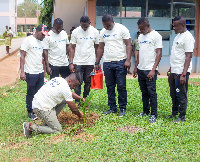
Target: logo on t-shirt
54,82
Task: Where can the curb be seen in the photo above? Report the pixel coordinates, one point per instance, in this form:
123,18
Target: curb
12,53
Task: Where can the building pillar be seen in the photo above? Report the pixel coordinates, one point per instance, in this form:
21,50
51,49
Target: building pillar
91,11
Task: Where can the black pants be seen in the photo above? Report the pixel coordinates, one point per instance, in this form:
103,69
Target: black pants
178,93
115,73
148,89
84,72
62,70
34,83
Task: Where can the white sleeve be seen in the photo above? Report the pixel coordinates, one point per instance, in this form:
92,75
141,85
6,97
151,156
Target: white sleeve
46,42
189,44
125,33
73,37
67,94
25,45
158,41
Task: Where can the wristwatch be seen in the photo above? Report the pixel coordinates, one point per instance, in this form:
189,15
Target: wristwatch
183,75
70,63
96,63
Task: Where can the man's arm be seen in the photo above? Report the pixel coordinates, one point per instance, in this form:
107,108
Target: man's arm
68,49
71,57
45,56
74,109
157,60
77,97
136,65
99,54
96,49
127,42
186,66
22,62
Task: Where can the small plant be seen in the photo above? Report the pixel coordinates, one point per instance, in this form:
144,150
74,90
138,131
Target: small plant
84,105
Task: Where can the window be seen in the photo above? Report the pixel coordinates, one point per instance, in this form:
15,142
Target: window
108,7
185,8
159,8
133,8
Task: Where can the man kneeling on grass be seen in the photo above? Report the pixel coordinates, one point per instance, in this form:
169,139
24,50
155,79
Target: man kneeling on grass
50,100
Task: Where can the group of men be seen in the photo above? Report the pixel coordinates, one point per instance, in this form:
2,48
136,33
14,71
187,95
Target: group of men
84,55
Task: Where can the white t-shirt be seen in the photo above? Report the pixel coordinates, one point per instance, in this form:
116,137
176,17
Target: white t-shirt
148,44
56,45
84,40
33,59
182,43
52,93
115,48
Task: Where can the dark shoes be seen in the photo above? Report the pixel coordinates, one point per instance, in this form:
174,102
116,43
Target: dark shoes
110,111
122,112
27,130
143,114
180,119
32,116
152,119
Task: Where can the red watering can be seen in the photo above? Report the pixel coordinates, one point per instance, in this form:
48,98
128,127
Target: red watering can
97,79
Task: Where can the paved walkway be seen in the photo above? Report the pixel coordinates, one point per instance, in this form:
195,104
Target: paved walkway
15,46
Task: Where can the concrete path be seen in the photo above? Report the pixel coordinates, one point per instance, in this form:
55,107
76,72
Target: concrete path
15,46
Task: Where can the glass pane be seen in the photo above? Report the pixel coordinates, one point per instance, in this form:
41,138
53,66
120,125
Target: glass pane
108,7
133,8
184,8
159,8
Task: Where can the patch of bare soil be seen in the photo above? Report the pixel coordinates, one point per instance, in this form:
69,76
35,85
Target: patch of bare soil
71,120
130,129
194,83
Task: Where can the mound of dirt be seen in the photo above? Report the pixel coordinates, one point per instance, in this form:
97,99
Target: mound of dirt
70,121
130,129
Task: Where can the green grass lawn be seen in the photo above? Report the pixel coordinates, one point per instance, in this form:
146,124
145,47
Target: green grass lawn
161,141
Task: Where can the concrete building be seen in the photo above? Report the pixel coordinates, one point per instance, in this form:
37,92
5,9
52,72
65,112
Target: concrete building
127,12
8,15
28,23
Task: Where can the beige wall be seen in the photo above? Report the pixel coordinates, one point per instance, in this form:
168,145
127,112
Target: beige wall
70,11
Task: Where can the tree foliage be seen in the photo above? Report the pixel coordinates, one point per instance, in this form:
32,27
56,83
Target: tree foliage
28,7
46,12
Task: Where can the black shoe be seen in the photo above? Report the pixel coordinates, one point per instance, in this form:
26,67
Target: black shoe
180,119
110,111
143,114
171,116
122,112
152,119
32,116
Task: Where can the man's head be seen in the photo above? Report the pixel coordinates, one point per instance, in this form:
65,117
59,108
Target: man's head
6,27
73,80
179,24
138,33
41,32
107,22
9,27
85,22
57,26
143,25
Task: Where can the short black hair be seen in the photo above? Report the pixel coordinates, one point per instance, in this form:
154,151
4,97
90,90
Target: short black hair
9,27
85,19
138,32
58,21
181,18
107,17
143,20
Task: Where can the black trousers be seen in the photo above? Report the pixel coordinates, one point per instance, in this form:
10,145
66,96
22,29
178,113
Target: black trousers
148,89
115,73
34,83
178,93
62,70
84,72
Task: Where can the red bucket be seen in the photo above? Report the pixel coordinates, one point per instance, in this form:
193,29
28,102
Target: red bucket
97,79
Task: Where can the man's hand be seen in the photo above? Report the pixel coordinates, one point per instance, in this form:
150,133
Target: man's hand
182,79
97,67
81,116
135,73
151,75
23,76
169,72
127,64
83,100
71,68
49,71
